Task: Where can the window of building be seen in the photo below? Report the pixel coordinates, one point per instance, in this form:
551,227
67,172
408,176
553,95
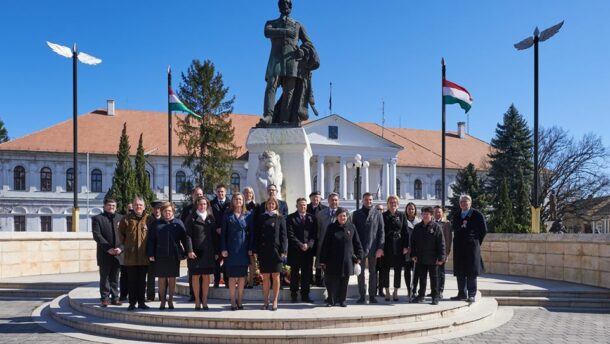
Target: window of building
337,183
68,223
46,224
46,179
437,189
181,186
70,180
96,180
398,187
417,189
19,178
19,223
235,182
333,132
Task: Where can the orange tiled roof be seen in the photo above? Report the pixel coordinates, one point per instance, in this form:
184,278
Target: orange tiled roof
99,134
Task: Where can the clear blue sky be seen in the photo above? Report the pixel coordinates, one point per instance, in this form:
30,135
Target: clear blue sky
370,50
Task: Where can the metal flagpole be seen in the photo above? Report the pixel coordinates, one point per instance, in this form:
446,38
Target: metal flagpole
169,134
75,210
443,137
330,99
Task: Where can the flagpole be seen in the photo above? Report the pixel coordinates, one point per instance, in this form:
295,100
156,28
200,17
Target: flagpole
75,209
330,99
443,137
169,133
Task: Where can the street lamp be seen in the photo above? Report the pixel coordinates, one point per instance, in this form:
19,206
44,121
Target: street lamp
86,59
357,164
525,44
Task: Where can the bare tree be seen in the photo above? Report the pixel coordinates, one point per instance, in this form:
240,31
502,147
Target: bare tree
573,170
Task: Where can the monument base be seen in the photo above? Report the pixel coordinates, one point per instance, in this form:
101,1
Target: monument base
292,145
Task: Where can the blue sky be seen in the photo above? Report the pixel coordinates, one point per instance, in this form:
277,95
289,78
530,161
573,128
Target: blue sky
370,50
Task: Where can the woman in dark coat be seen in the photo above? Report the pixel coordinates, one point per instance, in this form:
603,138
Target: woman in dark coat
270,246
165,247
201,249
235,247
341,249
469,229
251,206
396,241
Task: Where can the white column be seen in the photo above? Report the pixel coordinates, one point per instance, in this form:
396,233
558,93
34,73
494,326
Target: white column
385,179
365,178
320,185
393,176
343,178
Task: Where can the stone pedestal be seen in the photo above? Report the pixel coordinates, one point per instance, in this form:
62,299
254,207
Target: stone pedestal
294,150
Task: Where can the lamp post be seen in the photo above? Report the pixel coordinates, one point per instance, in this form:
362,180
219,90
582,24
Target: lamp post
525,44
357,164
90,60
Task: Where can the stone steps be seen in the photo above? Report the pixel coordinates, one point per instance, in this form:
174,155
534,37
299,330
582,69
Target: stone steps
576,294
299,322
562,302
30,293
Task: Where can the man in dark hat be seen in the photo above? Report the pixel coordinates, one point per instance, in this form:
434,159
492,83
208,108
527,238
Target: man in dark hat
315,203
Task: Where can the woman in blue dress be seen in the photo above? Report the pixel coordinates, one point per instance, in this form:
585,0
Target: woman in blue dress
235,247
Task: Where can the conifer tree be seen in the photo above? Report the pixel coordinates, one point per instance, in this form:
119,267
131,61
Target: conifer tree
142,181
503,220
123,182
522,208
467,181
209,140
3,132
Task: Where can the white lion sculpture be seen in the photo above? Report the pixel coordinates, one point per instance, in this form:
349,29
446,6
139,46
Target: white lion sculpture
269,172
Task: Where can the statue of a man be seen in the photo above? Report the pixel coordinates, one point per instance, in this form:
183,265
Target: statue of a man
290,67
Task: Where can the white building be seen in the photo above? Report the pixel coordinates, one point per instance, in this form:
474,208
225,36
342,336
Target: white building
36,175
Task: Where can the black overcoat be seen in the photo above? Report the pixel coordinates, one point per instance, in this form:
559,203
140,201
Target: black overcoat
428,243
340,248
301,232
105,233
468,234
202,240
270,240
396,238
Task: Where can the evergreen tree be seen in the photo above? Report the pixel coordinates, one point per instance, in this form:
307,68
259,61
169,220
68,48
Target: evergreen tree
467,181
503,220
512,150
123,181
142,182
209,140
3,132
522,210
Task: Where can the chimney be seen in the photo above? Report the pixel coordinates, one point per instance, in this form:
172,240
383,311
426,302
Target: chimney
461,130
110,107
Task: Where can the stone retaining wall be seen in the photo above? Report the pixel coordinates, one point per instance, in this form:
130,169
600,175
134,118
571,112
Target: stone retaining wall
578,258
28,254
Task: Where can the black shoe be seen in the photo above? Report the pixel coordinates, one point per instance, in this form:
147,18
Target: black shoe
471,299
240,307
342,304
131,307
205,308
435,301
381,293
328,304
150,299
417,300
249,286
233,308
429,295
440,295
373,300
361,300
458,298
143,306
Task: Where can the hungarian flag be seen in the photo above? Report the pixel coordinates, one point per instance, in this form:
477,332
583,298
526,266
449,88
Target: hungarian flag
176,105
456,94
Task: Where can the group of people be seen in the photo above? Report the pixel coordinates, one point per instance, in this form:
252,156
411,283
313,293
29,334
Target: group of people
235,237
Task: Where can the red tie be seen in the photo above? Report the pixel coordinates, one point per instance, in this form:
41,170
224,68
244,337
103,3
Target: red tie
302,219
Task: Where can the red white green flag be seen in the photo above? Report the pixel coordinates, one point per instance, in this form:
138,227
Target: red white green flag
456,94
176,105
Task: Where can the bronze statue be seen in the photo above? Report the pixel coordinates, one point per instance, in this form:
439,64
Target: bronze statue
290,67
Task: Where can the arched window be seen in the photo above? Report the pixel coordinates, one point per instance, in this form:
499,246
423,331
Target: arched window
46,179
337,183
315,184
70,180
417,189
19,178
180,182
235,182
96,180
437,189
398,187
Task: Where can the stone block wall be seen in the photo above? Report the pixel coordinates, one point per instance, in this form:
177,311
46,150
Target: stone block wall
28,254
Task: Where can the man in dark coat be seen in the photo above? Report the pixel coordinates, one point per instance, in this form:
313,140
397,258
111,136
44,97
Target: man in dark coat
315,203
324,218
150,276
302,231
469,230
448,237
109,249
219,204
272,192
369,224
428,252
187,211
